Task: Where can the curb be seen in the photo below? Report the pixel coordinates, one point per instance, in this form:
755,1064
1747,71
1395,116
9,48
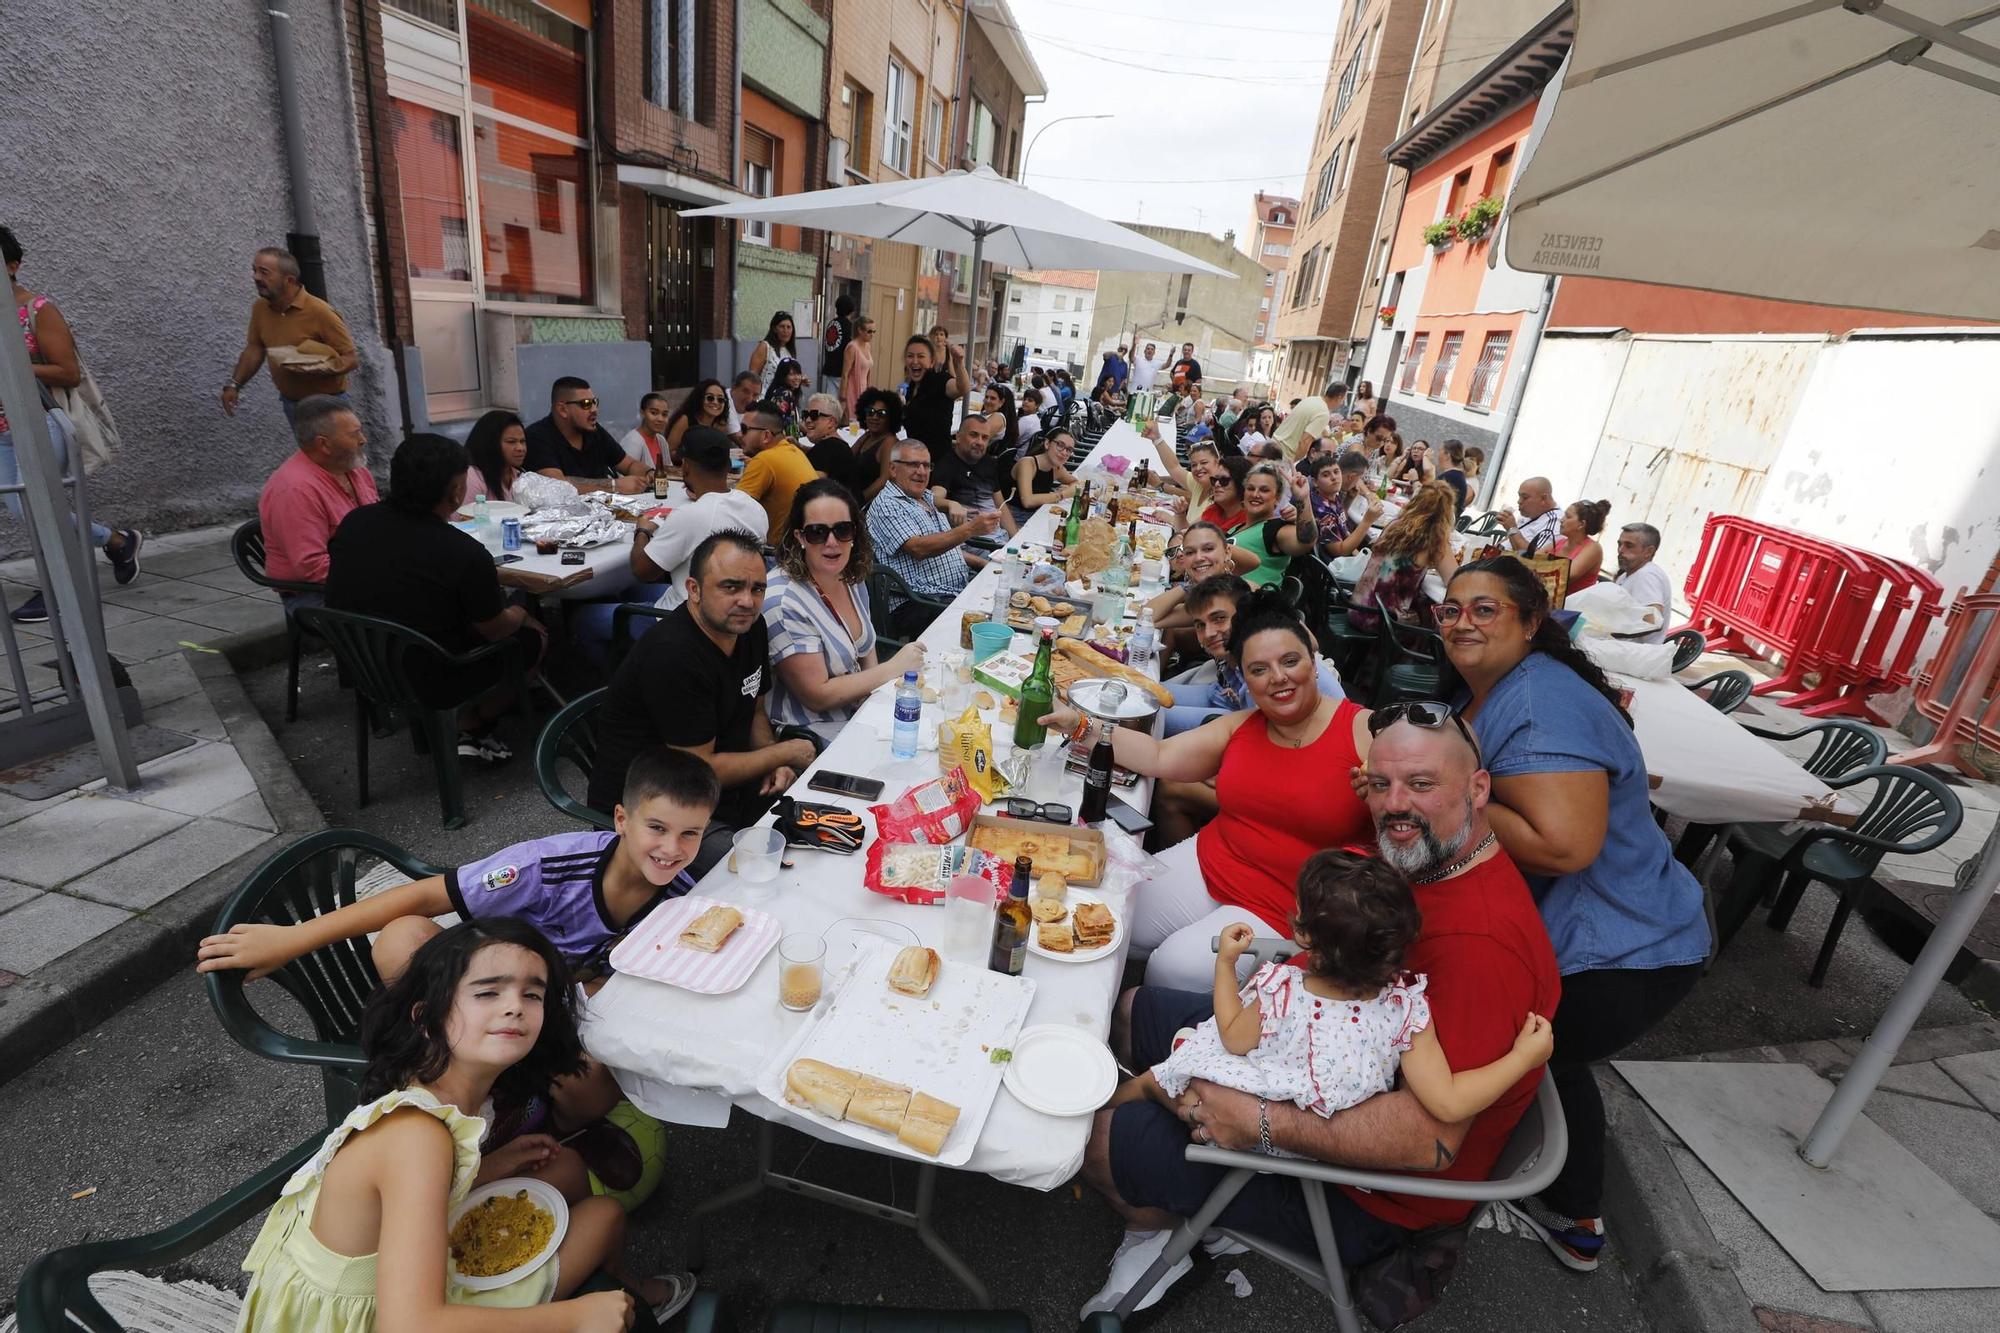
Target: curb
1684,1278
92,982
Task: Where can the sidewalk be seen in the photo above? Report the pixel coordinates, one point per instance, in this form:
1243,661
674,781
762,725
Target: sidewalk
102,893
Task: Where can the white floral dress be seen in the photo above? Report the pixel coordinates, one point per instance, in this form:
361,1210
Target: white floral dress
1323,1055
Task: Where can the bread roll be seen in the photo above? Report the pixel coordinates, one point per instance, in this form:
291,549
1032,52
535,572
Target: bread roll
927,1124
914,971
879,1104
712,929
1052,885
820,1087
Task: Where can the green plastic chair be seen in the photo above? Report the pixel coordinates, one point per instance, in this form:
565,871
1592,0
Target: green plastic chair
246,545
1409,660
54,1295
310,878
1911,812
884,586
373,654
569,736
1727,690
1843,747
1689,645
621,626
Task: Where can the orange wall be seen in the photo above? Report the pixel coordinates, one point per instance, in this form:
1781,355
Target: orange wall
1475,328
788,170
1586,303
1433,179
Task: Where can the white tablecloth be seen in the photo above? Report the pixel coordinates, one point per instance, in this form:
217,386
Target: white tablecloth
606,569
661,1041
1710,769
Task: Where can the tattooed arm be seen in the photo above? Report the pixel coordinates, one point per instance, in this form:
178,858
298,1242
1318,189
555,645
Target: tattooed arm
1389,1132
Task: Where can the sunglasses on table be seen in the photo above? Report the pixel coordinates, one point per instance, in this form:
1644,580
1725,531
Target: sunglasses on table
1479,613
1426,713
585,403
1048,813
815,534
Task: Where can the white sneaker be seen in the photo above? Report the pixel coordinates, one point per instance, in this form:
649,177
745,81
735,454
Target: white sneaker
1218,1246
1135,1255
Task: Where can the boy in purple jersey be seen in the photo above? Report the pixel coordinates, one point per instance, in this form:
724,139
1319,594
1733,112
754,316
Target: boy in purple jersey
582,890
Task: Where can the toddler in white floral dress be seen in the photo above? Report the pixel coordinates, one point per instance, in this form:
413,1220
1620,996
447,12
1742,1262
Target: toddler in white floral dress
1333,1036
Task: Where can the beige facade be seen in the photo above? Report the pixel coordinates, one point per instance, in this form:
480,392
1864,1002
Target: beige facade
1217,315
1273,220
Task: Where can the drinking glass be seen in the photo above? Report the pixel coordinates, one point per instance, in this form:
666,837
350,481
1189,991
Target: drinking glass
801,971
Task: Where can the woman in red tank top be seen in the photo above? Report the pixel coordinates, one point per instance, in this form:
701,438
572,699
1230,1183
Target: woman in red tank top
1281,773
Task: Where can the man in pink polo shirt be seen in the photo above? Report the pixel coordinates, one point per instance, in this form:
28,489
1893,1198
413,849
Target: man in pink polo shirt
305,499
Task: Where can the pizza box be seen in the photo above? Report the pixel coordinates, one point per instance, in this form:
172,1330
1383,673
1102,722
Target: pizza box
1088,841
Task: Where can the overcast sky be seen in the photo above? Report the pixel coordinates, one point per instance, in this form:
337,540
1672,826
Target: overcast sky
1208,109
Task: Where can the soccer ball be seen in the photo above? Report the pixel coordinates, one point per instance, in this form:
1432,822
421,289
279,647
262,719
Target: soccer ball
649,1136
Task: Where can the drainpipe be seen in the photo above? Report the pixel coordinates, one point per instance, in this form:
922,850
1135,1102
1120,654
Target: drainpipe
729,173
303,240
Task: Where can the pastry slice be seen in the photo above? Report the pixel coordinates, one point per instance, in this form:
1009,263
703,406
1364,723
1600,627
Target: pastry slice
712,929
879,1104
927,1124
914,971
1094,924
820,1087
1047,910
1055,936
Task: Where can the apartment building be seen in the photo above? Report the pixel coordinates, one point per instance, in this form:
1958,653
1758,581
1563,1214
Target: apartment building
1046,319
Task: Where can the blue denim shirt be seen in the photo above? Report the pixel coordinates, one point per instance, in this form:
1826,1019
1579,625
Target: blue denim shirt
1635,906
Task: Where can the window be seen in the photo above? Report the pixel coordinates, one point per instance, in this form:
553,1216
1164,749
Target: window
431,175
760,156
899,98
1446,363
530,114
1323,191
1278,218
1260,330
1013,296
1349,78
1055,330
443,13
860,104
1271,280
1272,248
1075,331
1499,172
1352,157
979,145
1485,390
1302,282
670,48
1412,359
1013,323
1062,302
934,131
1461,185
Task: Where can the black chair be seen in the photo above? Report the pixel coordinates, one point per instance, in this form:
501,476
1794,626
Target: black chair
1842,748
569,736
373,655
1910,812
886,585
312,877
1731,689
1689,645
1409,660
246,545
621,626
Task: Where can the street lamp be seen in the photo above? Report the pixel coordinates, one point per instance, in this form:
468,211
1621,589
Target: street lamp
1101,115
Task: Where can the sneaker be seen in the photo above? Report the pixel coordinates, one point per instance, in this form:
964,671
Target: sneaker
680,1290
34,611
1218,1246
1136,1253
484,749
125,564
1577,1243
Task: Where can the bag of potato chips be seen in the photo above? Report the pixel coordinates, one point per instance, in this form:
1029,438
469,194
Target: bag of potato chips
968,744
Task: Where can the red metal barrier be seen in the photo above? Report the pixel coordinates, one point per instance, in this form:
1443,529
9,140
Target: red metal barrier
1954,688
1852,619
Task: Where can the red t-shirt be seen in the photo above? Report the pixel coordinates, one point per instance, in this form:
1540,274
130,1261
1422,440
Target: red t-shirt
1489,961
1277,807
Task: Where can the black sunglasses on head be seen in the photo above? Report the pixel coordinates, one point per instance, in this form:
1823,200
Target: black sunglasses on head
1426,713
815,534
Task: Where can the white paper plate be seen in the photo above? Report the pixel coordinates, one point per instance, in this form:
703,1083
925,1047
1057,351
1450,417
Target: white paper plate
546,1196
1074,897
1060,1070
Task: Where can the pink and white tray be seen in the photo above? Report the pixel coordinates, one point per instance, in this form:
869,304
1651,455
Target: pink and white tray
653,950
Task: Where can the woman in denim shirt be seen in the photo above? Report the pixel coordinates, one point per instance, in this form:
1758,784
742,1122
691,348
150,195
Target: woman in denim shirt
1571,805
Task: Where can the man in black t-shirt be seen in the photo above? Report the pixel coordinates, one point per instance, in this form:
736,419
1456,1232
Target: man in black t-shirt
965,479
833,342
1186,369
569,445
933,390
401,560
696,681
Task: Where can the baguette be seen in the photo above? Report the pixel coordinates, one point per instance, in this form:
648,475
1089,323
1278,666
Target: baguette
879,1104
712,929
914,971
820,1087
1100,665
927,1124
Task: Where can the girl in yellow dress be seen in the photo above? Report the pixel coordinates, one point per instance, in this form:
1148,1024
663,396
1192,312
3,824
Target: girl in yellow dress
359,1238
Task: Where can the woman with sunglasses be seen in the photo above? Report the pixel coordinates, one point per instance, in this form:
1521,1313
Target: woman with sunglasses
707,404
879,413
857,364
1041,475
1280,770
816,607
1571,805
1225,494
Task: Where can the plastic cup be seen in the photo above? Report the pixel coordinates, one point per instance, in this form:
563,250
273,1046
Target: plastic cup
801,971
968,916
990,638
758,854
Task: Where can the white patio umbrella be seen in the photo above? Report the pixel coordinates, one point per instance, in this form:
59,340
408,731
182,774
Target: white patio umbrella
1834,151
997,219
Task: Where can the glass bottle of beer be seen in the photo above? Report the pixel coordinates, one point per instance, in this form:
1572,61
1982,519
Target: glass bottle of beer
1038,695
1012,922
1078,506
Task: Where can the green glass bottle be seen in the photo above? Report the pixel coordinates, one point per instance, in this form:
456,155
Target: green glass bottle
1078,505
1038,696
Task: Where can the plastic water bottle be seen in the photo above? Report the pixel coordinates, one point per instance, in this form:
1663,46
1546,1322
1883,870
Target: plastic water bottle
480,513
1145,643
1006,571
909,710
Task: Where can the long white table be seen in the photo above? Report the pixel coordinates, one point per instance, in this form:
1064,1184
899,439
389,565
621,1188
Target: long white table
662,1042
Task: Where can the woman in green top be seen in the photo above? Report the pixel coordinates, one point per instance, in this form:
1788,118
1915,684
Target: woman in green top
1266,534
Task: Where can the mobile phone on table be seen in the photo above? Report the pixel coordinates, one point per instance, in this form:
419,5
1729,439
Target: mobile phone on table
1125,817
573,557
509,559
846,784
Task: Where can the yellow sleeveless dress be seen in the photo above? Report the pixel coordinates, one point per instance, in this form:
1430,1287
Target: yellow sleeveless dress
298,1284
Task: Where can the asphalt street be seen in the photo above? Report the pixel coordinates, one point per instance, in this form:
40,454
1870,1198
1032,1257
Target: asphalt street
159,1111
